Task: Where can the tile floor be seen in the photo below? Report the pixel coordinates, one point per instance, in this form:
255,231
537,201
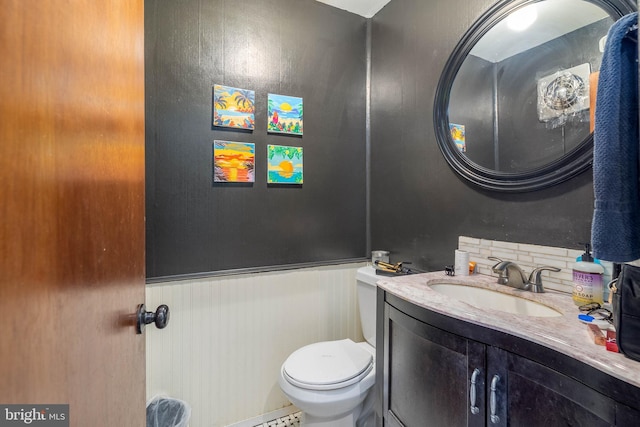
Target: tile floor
292,420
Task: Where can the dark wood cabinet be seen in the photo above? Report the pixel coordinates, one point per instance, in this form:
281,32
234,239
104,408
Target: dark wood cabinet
429,373
426,366
533,395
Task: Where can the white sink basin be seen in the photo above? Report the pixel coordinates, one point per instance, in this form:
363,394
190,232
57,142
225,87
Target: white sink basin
486,298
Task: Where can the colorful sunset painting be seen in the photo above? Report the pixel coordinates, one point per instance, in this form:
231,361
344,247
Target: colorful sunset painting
284,165
233,161
284,114
457,134
233,107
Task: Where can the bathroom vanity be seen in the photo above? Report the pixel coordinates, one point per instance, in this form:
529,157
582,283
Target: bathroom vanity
443,362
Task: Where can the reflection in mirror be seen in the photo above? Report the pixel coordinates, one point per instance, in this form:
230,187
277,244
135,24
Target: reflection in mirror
521,98
516,94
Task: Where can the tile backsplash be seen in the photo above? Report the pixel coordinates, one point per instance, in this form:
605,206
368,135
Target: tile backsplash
528,257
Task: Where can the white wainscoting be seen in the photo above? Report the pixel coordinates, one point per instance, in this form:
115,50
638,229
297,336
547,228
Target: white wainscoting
228,336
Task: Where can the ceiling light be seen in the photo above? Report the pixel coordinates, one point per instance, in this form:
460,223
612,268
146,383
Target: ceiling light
522,19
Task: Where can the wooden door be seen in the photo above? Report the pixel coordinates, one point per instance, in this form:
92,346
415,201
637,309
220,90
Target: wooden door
72,207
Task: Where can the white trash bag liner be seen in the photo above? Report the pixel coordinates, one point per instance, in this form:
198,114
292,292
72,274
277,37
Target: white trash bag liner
163,411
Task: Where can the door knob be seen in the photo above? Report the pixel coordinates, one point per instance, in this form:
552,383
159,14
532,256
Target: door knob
144,317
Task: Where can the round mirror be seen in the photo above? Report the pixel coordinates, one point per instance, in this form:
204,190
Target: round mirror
514,105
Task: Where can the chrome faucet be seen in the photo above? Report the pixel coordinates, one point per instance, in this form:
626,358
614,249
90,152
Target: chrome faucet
512,275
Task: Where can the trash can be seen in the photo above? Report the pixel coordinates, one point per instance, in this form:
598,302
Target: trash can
165,411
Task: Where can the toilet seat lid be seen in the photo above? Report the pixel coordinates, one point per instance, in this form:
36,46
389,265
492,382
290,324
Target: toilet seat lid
328,365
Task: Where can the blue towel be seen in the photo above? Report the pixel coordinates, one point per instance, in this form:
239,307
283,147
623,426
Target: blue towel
615,231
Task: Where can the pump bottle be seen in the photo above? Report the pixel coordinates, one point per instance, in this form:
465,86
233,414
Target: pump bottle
587,279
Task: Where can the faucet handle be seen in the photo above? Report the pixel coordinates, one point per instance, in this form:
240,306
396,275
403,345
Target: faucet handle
535,278
503,274
495,258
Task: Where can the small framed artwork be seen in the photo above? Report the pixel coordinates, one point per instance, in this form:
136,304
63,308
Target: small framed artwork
284,114
233,107
457,134
233,161
284,165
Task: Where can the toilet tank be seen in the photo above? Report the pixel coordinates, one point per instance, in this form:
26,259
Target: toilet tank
366,279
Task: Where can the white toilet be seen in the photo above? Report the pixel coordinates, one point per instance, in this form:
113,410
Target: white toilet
330,381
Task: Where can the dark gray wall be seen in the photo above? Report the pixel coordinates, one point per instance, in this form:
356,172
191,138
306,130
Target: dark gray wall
292,47
517,87
472,104
419,206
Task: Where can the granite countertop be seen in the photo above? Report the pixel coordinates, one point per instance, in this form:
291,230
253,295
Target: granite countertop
565,334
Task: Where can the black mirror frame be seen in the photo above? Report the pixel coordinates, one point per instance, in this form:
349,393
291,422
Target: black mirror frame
568,166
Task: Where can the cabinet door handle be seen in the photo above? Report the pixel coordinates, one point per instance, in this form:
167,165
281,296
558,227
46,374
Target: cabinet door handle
472,391
492,400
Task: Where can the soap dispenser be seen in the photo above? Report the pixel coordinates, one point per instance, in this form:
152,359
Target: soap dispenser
587,279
